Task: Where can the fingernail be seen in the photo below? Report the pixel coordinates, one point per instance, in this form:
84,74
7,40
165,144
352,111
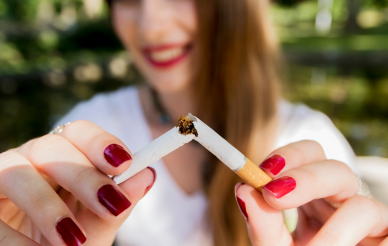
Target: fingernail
112,199
281,187
241,203
274,164
116,155
153,182
70,232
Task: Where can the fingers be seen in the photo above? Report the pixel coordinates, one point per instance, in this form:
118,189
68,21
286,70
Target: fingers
303,174
134,187
265,223
330,179
356,219
101,231
105,151
26,188
57,158
292,156
11,237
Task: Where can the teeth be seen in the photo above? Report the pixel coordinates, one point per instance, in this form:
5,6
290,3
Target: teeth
166,55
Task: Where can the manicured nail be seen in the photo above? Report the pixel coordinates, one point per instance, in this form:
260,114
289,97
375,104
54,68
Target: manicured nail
241,203
281,187
153,182
274,164
112,199
70,232
116,155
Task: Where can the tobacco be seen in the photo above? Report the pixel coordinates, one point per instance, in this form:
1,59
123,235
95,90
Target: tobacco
186,126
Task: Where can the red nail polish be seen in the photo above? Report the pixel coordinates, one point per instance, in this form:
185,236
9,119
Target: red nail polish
241,203
153,182
70,232
274,164
116,155
281,187
112,199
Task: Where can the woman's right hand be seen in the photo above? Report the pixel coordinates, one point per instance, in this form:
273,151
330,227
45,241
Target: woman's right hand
54,190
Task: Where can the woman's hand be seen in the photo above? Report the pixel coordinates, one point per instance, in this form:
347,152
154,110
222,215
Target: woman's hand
54,190
304,178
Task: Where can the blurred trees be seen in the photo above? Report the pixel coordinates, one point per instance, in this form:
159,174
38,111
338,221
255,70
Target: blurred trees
342,69
379,3
352,25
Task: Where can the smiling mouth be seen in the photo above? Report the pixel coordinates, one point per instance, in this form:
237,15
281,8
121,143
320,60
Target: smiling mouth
166,56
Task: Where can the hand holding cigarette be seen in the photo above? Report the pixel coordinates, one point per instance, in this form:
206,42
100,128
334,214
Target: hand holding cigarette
54,190
191,128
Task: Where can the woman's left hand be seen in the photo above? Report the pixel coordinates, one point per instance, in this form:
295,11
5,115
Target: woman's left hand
304,178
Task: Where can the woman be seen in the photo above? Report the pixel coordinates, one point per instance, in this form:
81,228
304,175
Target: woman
216,59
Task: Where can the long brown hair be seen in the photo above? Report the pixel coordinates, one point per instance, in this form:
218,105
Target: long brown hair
237,83
238,86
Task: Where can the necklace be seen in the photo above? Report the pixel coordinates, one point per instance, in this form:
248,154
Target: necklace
164,118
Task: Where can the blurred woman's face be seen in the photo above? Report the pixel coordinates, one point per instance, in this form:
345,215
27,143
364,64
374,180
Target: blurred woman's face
160,37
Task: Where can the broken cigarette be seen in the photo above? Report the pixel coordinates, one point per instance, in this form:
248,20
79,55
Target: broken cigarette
189,128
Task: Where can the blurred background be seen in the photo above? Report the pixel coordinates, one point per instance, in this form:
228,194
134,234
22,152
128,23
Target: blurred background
54,53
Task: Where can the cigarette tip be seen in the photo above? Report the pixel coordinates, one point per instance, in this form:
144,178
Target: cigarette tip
186,126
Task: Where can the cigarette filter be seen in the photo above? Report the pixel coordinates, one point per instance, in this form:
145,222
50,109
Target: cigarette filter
187,129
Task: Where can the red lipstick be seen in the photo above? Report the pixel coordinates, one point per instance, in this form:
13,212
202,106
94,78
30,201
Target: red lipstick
166,56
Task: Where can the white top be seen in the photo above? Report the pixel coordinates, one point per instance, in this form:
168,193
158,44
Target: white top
167,216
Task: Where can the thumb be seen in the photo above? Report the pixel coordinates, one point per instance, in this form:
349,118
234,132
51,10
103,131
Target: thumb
265,223
101,231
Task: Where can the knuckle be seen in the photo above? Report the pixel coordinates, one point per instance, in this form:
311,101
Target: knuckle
291,153
317,146
296,154
103,137
8,159
80,124
310,143
90,131
45,201
44,145
44,142
313,143
339,165
83,175
303,151
310,150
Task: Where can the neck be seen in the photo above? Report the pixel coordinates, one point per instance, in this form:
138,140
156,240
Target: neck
177,104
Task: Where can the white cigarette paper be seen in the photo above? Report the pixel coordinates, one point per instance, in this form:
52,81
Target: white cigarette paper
153,152
172,140
218,146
